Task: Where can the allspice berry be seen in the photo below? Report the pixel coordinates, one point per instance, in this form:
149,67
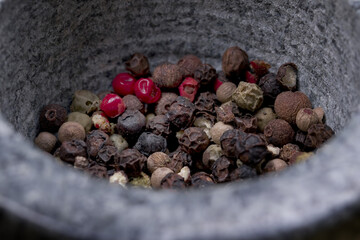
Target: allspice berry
225,91
81,118
138,65
71,131
287,75
288,150
46,141
167,75
287,105
163,105
248,96
218,130
157,160
275,165
133,103
158,175
235,62
52,116
264,116
188,65
279,132
84,101
305,118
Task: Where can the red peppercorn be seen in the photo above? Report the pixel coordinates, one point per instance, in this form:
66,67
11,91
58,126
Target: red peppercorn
188,88
251,77
147,91
217,84
112,105
123,84
259,68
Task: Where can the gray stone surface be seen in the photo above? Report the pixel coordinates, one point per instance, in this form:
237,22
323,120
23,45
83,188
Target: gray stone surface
48,49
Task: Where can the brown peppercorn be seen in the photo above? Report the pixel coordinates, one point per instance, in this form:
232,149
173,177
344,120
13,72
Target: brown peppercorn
70,131
210,155
131,161
131,124
205,102
247,123
218,130
287,75
275,165
180,156
167,75
97,171
173,181
225,91
279,132
221,169
251,149
81,162
69,150
235,62
228,142
138,65
201,180
158,175
305,118
188,65
52,116
163,105
224,113
157,160
160,125
287,104
248,96
133,103
181,113
95,140
194,140
270,87
264,116
205,74
107,154
288,150
46,141
317,135
242,172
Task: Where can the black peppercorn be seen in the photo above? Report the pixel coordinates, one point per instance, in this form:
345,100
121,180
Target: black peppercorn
205,74
130,124
247,123
149,143
163,105
52,116
138,65
69,150
228,142
188,64
317,135
180,156
221,169
133,103
201,180
251,149
97,171
242,172
160,125
95,140
181,113
106,154
205,102
131,161
173,181
194,140
270,87
224,113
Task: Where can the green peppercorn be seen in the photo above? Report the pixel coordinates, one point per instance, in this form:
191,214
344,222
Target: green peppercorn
248,96
85,101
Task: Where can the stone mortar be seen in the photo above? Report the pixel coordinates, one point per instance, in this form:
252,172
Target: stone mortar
49,49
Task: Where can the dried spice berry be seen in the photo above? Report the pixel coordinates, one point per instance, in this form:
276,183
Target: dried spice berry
81,162
194,140
143,181
84,101
273,151
95,140
181,113
317,135
242,172
173,181
188,64
275,165
251,77
160,125
138,65
185,173
97,171
119,142
225,92
248,96
107,154
70,131
46,141
305,118
287,104
167,75
188,88
147,91
228,142
81,118
221,169
119,178
210,155
181,156
225,114
264,116
259,68
235,62
205,74
69,150
158,175
131,124
251,149
123,84
270,87
133,103
203,123
163,105
201,180
157,160
205,102
288,150
279,132
149,143
112,105
52,116
176,163
101,122
287,75
320,113
218,130
131,161
247,123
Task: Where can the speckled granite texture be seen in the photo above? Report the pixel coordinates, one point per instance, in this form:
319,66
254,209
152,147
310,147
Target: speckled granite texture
48,49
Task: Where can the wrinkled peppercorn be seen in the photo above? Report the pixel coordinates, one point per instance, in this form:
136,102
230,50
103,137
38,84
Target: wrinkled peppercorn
205,102
149,143
97,171
225,114
181,113
270,87
95,140
194,140
247,123
173,181
221,169
317,135
248,96
163,105
188,65
160,125
131,161
201,180
107,154
52,116
242,172
235,62
288,150
131,124
228,142
69,150
138,65
181,156
205,74
251,149
133,103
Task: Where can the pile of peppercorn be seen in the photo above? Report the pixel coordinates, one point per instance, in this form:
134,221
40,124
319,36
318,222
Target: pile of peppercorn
185,125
